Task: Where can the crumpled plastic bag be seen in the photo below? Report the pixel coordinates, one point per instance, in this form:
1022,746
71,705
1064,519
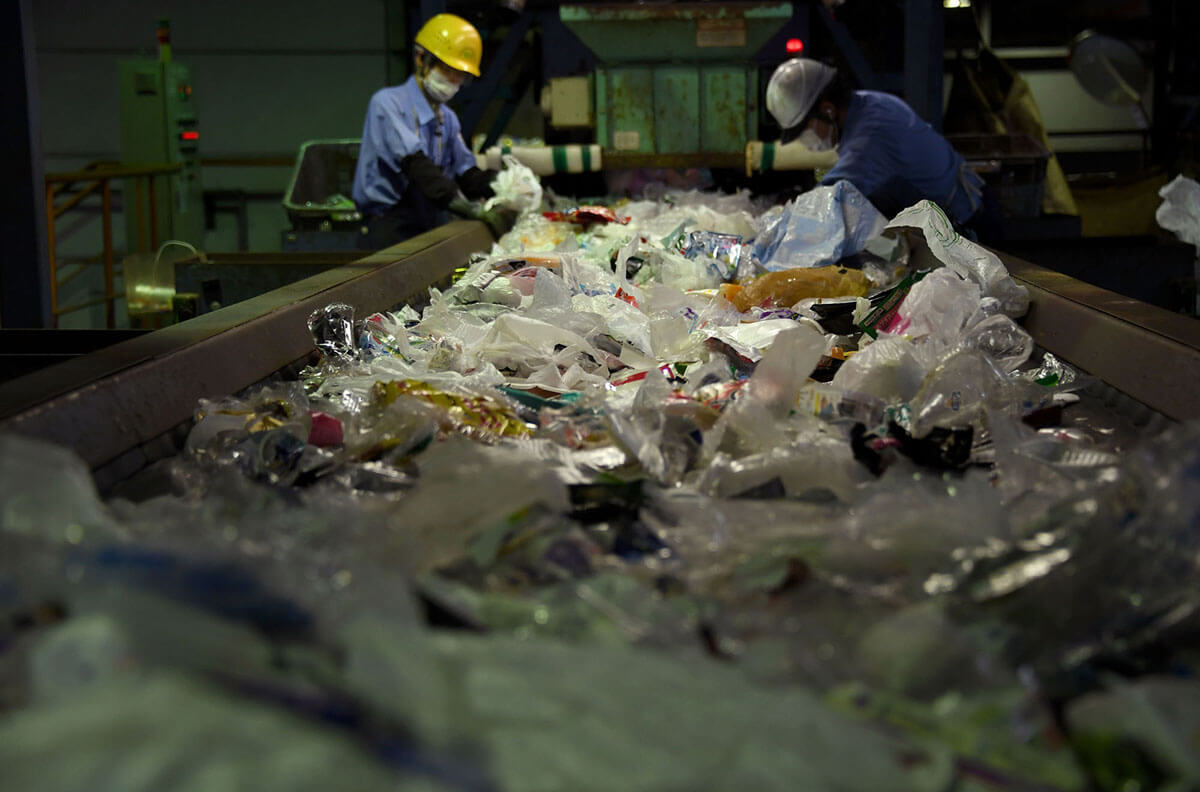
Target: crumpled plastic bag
1002,339
819,227
822,463
47,491
958,393
711,729
751,339
332,329
144,733
770,396
678,211
1180,209
1159,715
885,369
938,306
516,187
971,261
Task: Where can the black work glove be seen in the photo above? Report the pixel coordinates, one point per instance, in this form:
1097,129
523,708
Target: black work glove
500,221
476,184
438,188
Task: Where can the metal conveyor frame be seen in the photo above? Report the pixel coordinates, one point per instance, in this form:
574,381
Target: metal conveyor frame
118,408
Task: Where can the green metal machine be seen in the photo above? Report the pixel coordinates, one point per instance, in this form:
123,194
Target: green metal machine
158,126
678,78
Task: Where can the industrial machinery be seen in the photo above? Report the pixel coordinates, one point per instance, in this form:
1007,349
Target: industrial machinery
317,200
159,126
695,91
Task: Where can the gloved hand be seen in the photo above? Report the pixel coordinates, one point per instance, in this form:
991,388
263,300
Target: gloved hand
500,221
476,184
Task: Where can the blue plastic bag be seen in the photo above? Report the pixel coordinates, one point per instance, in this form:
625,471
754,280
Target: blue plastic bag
819,227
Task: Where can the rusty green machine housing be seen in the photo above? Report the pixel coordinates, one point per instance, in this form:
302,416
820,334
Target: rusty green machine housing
675,78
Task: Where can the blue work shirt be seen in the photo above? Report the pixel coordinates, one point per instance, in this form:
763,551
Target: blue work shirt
400,122
897,159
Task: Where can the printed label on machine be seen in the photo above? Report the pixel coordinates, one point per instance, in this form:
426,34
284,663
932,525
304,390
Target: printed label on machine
627,140
721,32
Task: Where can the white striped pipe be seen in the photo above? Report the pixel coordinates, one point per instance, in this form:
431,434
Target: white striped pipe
545,160
762,156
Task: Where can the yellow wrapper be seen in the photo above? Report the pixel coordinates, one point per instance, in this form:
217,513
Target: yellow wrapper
480,417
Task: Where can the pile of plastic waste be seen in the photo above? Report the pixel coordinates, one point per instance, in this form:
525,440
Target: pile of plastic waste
676,494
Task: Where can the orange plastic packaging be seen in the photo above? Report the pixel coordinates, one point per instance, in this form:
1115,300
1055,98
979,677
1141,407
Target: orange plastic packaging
788,287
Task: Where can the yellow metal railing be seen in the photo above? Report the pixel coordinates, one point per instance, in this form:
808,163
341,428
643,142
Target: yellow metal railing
98,177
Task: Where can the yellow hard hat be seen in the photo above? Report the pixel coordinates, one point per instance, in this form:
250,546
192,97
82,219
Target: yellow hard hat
452,40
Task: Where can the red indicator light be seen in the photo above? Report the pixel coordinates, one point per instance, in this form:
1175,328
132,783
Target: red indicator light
191,134
794,45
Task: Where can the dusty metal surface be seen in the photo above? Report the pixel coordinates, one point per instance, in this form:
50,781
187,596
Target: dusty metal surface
681,31
106,404
724,115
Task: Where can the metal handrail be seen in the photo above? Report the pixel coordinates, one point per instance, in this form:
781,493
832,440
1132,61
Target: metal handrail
98,176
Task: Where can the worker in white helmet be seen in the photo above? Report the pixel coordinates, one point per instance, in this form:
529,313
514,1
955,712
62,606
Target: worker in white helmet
413,166
884,149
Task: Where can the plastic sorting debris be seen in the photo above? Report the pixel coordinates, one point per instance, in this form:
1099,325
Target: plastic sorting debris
1180,210
515,187
819,227
1180,213
843,540
967,259
788,287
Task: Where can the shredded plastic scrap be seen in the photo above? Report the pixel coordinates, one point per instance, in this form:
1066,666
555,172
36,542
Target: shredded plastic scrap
756,537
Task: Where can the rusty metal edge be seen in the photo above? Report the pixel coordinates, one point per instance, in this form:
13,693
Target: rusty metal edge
105,404
1146,352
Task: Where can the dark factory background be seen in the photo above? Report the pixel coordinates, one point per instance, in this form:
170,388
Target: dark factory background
264,78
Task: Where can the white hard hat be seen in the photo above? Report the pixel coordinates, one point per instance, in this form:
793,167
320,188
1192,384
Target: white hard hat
794,88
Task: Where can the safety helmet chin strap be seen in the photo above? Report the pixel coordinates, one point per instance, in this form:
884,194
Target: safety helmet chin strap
424,62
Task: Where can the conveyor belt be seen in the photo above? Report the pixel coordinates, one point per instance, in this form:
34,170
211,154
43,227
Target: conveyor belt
1148,353
115,407
118,407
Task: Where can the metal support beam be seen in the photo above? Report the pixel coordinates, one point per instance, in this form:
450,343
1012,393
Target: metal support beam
563,54
858,62
924,36
396,41
24,256
522,83
484,89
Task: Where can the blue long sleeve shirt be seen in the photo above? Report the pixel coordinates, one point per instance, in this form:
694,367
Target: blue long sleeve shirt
897,159
401,122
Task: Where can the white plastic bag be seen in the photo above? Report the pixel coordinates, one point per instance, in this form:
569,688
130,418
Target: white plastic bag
516,187
885,369
966,258
1180,209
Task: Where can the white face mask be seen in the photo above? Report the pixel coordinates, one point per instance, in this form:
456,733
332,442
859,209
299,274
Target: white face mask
814,142
438,87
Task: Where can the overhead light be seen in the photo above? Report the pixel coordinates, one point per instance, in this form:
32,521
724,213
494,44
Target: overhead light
956,3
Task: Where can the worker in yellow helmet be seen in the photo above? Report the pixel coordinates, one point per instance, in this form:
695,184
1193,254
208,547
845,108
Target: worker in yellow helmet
413,166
